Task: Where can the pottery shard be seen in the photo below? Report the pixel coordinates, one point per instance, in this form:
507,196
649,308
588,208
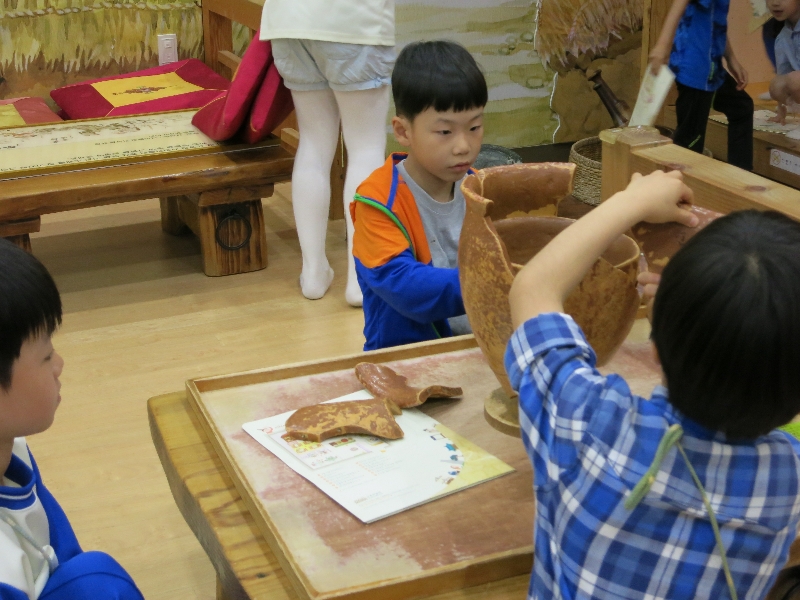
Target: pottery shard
382,382
322,421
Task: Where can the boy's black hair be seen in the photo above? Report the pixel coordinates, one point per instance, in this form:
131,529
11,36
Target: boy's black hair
439,74
29,304
726,324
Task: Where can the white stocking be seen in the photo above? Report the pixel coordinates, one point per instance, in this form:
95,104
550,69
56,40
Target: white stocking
318,124
364,128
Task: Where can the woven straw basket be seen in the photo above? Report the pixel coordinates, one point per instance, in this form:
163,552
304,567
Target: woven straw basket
586,155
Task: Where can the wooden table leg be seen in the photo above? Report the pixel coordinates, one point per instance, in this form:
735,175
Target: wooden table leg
18,232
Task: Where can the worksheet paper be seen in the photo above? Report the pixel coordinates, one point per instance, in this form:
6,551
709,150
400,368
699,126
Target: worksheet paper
374,478
652,95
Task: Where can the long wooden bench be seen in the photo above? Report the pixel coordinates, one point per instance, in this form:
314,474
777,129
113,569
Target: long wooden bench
215,192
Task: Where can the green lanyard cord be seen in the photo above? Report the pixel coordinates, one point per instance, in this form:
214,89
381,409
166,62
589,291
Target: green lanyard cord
672,438
392,217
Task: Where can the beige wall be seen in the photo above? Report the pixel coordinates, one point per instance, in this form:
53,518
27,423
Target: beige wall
748,47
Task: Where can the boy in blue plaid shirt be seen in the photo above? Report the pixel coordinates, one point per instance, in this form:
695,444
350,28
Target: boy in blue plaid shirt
692,493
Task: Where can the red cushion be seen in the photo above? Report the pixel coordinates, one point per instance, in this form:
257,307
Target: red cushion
271,106
25,111
177,86
221,119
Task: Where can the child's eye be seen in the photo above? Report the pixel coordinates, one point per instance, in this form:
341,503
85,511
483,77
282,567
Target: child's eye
444,132
476,127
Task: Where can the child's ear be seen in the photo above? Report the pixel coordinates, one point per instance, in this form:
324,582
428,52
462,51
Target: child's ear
402,130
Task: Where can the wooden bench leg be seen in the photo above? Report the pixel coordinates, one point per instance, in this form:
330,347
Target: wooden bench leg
232,238
232,235
18,232
170,216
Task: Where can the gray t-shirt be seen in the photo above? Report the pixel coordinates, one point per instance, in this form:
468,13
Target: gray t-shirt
442,222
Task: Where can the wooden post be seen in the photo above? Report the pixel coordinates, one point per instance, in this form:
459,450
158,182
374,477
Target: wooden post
618,144
217,37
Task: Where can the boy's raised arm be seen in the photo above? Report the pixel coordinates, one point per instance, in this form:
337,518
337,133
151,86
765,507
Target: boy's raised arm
659,55
548,278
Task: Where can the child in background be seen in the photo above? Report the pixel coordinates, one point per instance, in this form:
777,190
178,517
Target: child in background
698,29
39,554
692,494
408,214
785,86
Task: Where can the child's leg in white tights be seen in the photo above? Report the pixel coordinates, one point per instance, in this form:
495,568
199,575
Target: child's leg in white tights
318,124
364,128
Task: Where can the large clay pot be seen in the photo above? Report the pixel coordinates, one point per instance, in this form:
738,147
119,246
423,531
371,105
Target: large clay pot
493,248
660,242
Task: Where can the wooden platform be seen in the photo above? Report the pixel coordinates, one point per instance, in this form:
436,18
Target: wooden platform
215,192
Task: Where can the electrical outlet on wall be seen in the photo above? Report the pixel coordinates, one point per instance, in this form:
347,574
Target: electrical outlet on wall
167,48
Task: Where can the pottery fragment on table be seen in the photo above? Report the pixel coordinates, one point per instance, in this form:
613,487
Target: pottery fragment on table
384,383
493,249
322,421
660,241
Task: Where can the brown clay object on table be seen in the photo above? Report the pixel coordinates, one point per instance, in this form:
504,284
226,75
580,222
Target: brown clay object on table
322,421
384,383
660,241
493,249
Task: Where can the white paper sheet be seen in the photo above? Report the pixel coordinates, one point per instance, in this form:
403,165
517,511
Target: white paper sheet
652,95
374,478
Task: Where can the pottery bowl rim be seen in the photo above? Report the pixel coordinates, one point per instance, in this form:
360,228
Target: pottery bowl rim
628,240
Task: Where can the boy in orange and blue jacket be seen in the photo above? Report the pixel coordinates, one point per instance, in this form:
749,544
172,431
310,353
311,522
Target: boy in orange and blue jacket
408,213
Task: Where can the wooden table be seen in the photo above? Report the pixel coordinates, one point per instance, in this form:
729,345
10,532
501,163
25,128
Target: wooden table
207,498
245,565
218,19
216,194
763,142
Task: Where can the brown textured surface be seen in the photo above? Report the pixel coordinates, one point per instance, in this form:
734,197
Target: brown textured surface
660,242
384,383
491,252
322,421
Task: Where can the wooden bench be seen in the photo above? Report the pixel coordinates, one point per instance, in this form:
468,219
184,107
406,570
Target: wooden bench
214,192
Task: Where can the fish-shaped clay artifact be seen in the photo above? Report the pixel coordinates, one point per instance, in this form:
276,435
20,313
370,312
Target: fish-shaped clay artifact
383,382
322,421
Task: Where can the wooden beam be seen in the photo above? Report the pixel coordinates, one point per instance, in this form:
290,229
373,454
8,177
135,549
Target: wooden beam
717,186
229,60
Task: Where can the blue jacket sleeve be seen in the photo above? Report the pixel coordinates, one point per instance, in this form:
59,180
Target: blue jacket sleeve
11,593
419,292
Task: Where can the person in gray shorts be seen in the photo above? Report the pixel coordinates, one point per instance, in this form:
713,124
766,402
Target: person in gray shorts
336,57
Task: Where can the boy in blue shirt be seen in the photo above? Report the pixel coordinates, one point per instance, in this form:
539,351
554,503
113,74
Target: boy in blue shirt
408,214
39,554
698,29
694,493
